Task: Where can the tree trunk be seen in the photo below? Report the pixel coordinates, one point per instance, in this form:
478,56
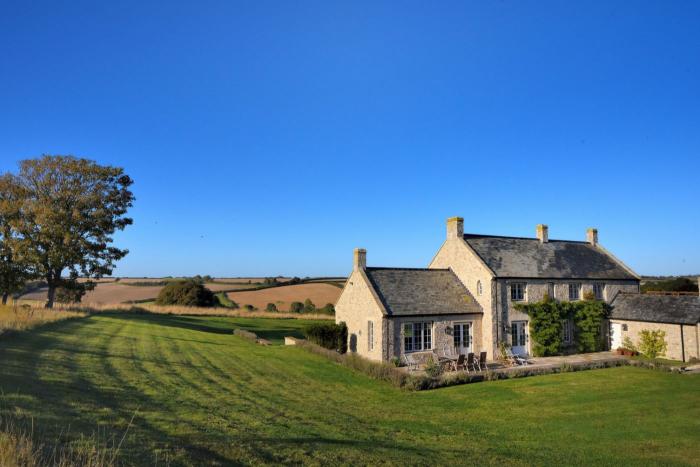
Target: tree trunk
4,298
51,296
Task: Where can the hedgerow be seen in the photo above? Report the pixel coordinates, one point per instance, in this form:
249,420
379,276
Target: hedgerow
328,335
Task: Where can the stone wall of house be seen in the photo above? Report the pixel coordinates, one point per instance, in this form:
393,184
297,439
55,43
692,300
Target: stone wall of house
536,289
357,306
442,337
455,254
673,337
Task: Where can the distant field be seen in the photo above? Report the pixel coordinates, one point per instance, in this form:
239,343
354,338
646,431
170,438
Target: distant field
319,293
109,291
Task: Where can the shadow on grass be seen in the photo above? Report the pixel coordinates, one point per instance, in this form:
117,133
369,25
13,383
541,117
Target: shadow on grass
59,395
203,324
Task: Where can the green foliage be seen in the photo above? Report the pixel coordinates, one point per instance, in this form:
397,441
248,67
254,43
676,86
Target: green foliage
225,301
309,306
652,343
546,319
68,210
271,307
72,291
589,317
433,368
296,307
328,309
328,335
628,344
249,308
186,293
545,326
396,361
678,284
14,273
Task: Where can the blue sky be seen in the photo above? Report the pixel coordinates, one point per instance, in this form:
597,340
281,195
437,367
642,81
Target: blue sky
271,138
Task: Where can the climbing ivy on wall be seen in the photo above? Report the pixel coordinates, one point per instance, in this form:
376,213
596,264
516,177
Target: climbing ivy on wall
546,319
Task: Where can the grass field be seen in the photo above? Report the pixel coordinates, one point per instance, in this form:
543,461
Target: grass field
319,293
199,395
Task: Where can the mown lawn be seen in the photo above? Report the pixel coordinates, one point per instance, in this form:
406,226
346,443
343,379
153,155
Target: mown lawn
203,396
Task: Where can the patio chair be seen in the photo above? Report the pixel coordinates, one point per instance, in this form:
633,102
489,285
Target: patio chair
471,362
516,359
410,362
482,362
459,363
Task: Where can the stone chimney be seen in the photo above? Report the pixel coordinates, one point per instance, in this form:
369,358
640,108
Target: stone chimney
455,227
542,233
359,259
592,236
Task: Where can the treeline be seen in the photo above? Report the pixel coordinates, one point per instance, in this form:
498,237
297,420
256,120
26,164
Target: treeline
58,215
678,284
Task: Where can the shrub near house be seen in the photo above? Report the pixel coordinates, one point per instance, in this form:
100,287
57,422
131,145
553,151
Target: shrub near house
329,335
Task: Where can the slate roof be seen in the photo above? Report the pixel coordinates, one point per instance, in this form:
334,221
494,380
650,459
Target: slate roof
555,259
684,309
407,292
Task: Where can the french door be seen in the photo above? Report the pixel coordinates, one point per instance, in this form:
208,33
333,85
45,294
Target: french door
519,337
462,334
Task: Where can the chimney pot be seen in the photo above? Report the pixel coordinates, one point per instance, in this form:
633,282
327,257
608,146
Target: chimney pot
359,259
455,227
542,233
592,236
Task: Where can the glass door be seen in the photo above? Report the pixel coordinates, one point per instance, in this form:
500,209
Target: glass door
519,337
463,338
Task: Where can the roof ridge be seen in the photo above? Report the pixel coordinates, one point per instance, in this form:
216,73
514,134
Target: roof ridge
375,268
471,235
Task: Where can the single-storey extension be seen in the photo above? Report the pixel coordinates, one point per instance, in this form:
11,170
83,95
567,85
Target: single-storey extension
677,316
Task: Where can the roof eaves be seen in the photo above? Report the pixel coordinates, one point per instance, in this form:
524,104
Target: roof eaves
618,261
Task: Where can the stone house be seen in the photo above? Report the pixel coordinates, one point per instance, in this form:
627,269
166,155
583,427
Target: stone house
677,316
465,300
391,311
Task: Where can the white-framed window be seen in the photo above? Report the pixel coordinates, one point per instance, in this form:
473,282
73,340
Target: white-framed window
417,336
550,290
517,291
370,335
478,288
574,291
567,326
599,291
